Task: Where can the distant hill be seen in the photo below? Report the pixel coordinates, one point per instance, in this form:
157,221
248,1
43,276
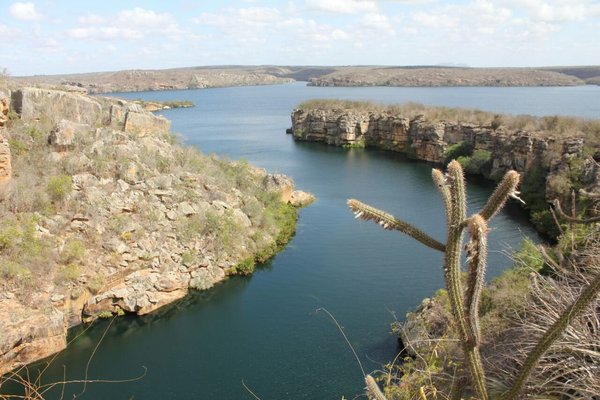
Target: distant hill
235,75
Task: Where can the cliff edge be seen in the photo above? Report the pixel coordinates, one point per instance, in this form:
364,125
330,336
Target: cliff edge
103,213
555,154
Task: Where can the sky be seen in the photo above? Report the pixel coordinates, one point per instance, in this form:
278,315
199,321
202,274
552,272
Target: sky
54,37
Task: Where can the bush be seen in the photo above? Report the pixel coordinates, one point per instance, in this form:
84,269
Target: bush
59,187
68,273
457,150
477,164
244,267
73,251
497,121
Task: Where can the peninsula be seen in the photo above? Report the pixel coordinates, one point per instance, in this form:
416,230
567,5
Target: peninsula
104,213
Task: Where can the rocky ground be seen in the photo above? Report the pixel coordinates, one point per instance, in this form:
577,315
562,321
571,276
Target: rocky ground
207,77
103,214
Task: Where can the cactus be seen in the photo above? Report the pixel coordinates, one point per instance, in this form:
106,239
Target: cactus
464,304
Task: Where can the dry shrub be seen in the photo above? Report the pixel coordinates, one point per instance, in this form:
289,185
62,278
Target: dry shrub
570,369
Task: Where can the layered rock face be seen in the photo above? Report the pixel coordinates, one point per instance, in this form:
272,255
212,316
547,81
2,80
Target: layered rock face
34,103
429,140
5,158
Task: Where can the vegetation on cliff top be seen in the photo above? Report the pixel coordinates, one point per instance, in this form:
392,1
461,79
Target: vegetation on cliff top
542,126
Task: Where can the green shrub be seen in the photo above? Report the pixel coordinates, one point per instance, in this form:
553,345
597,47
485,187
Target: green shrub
68,273
73,250
244,267
533,188
479,163
59,187
544,223
14,271
457,150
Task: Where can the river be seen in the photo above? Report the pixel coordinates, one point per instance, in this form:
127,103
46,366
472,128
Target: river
265,330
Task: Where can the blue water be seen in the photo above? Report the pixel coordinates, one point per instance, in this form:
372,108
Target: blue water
265,329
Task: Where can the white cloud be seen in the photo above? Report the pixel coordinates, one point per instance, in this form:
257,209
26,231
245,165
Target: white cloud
557,10
343,6
378,23
25,12
132,24
412,2
91,19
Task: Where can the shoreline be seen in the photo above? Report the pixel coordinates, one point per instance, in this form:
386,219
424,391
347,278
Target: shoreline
125,219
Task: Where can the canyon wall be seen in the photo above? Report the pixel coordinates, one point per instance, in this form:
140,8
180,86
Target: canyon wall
427,140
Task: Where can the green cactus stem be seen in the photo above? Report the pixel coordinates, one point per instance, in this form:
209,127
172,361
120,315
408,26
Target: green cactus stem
505,189
389,222
464,303
452,269
476,267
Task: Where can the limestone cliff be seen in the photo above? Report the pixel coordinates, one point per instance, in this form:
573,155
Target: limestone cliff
505,148
105,214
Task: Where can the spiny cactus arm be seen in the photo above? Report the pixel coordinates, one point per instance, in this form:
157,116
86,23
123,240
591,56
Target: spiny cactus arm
477,264
561,214
458,192
440,182
554,332
389,222
505,189
452,273
373,389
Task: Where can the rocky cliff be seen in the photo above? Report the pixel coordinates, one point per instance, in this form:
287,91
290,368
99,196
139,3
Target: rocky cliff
562,162
104,214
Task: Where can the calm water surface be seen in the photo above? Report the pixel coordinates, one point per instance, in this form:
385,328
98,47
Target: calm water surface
265,330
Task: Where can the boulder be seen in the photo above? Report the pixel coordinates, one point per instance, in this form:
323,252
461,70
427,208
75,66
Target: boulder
281,184
142,124
64,132
4,108
299,198
56,105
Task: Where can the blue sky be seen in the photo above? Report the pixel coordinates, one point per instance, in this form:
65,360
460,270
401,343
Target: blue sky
51,36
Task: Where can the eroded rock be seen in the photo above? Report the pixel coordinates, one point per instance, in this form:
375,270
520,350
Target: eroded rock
56,105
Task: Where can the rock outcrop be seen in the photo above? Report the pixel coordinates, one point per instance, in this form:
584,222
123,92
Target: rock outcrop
5,161
142,124
119,219
55,105
5,157
429,140
4,108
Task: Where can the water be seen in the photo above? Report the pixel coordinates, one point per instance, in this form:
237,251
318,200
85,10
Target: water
265,329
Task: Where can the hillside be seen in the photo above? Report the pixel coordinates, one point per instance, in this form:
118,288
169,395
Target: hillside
446,76
104,213
222,76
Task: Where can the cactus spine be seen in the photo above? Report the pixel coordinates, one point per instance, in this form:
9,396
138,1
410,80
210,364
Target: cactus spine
464,304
